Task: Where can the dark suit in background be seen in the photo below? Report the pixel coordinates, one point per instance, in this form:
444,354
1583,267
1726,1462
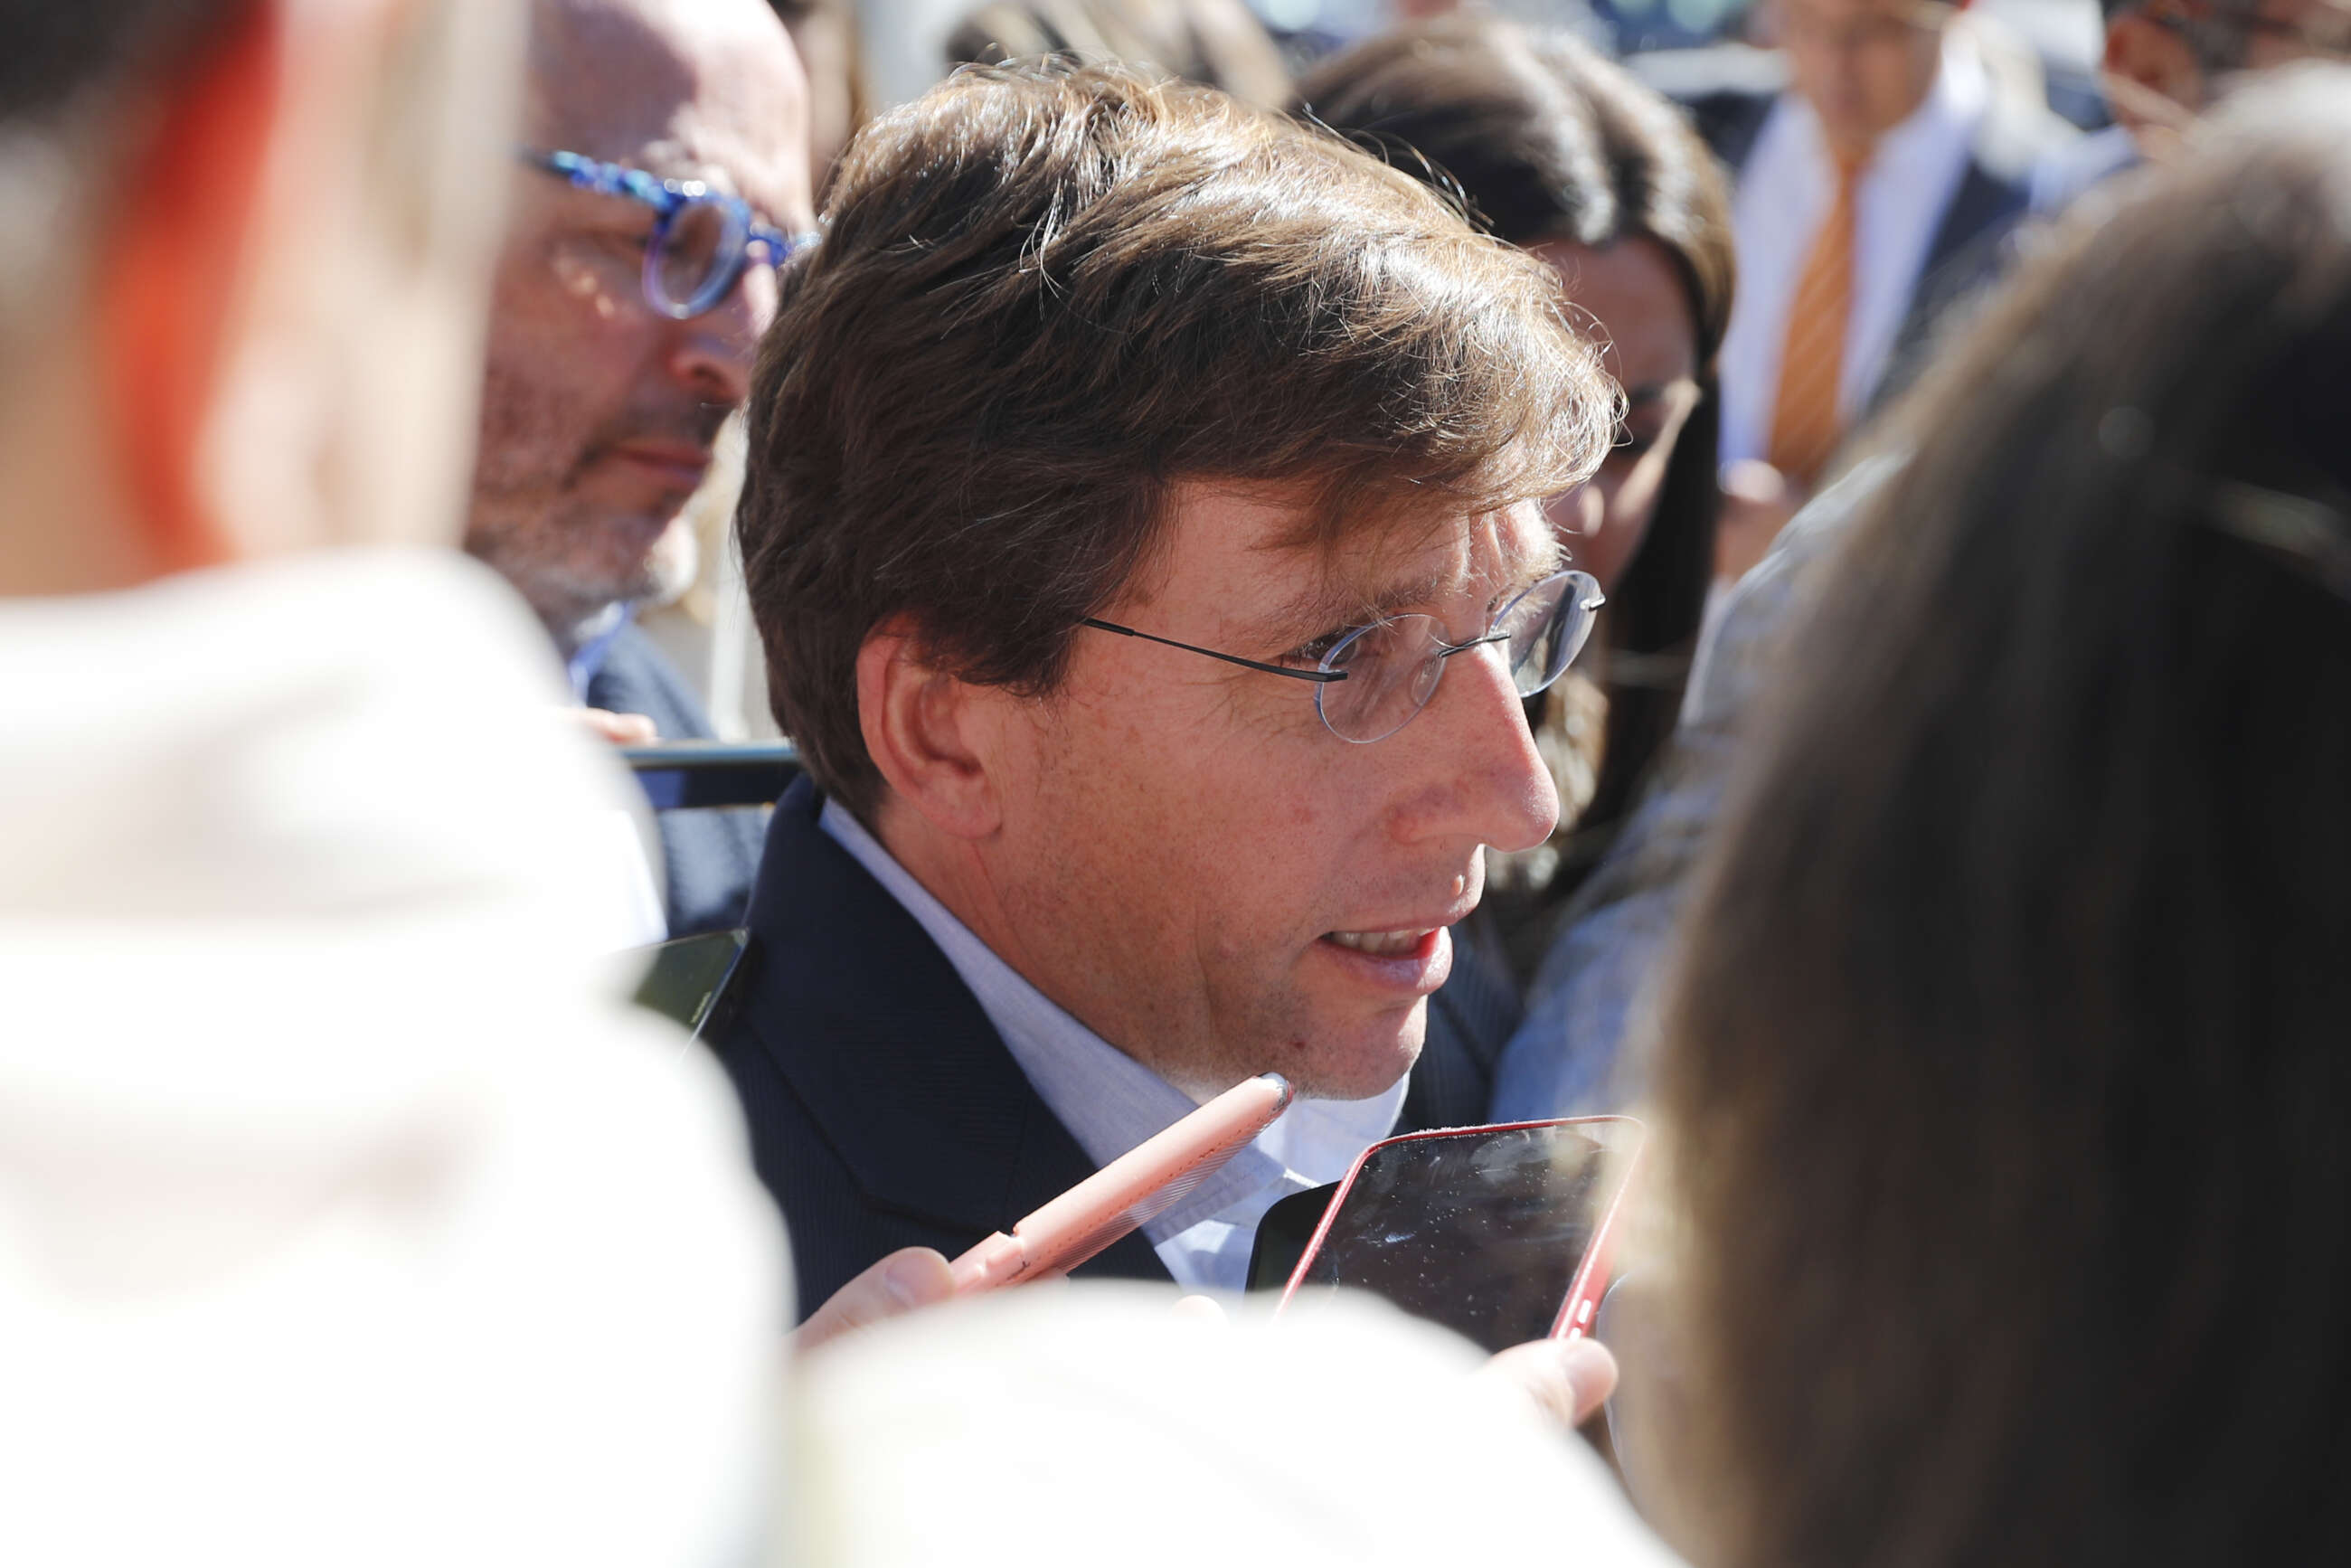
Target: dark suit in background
710,857
884,1109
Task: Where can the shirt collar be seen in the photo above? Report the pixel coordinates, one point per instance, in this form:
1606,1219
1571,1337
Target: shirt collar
1960,98
1109,1102
596,642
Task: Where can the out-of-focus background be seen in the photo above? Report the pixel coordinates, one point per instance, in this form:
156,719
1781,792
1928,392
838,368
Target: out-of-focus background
899,47
903,38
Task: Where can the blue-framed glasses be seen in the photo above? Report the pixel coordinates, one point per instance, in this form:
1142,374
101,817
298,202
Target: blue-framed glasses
702,238
1374,679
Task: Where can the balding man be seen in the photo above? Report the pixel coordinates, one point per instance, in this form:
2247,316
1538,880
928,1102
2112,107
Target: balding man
664,173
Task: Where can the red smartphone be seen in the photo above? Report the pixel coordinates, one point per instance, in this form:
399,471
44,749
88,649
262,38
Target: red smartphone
1127,1193
1502,1233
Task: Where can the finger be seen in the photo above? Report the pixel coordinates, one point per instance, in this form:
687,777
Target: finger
915,1277
622,729
1569,1379
1201,1310
1749,482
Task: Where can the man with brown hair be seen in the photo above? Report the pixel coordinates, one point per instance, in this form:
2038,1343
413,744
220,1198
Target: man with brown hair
1142,520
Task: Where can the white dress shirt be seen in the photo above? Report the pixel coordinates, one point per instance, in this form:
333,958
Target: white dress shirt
1785,191
1110,1103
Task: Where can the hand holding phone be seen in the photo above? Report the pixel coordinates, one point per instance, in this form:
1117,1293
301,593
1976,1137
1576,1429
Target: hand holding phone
1502,1233
1129,1192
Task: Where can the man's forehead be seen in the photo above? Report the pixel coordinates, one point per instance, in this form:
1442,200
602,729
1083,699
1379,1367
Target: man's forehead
1381,565
1258,553
1421,560
699,90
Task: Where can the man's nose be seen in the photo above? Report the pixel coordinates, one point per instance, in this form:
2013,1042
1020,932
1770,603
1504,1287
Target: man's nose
1478,773
711,354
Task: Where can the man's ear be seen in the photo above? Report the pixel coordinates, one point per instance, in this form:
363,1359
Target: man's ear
168,271
922,729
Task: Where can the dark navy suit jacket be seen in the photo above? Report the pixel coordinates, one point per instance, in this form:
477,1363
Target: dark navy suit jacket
709,857
885,1110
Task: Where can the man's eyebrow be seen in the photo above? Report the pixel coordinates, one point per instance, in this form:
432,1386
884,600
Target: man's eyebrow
1328,605
669,159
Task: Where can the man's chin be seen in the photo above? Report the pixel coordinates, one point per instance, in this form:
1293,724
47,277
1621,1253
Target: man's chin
1363,1062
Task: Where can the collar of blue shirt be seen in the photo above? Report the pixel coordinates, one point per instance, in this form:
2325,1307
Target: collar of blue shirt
595,642
1109,1102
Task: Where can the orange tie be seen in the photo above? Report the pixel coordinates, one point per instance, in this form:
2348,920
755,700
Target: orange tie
1804,424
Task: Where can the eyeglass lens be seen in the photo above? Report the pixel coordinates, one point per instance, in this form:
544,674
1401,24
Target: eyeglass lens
1393,665
695,254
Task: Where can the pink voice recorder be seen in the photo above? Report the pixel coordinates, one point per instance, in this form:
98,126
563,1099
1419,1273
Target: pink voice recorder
1127,1193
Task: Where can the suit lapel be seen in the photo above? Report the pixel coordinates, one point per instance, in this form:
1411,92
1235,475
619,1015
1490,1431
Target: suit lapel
893,1055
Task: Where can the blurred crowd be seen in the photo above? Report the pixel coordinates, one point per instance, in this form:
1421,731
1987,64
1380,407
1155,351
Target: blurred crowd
1784,571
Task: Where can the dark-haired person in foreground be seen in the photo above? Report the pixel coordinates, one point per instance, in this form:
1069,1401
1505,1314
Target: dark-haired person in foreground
2010,1062
1143,520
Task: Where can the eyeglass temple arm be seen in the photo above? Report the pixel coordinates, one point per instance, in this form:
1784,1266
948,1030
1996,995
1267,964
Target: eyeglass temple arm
1319,677
551,163
591,173
1447,650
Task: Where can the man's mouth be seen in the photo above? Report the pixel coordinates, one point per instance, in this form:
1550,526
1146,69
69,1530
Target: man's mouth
1405,962
677,461
1381,944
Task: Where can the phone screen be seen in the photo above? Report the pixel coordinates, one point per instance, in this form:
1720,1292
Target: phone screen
687,976
1480,1231
1283,1235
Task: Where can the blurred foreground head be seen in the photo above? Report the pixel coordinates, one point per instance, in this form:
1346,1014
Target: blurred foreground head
2007,1059
240,291
342,1213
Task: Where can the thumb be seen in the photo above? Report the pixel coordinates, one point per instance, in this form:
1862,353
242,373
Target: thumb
1570,1379
915,1277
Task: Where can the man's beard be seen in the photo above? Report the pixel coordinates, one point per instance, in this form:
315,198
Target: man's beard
569,558
556,561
